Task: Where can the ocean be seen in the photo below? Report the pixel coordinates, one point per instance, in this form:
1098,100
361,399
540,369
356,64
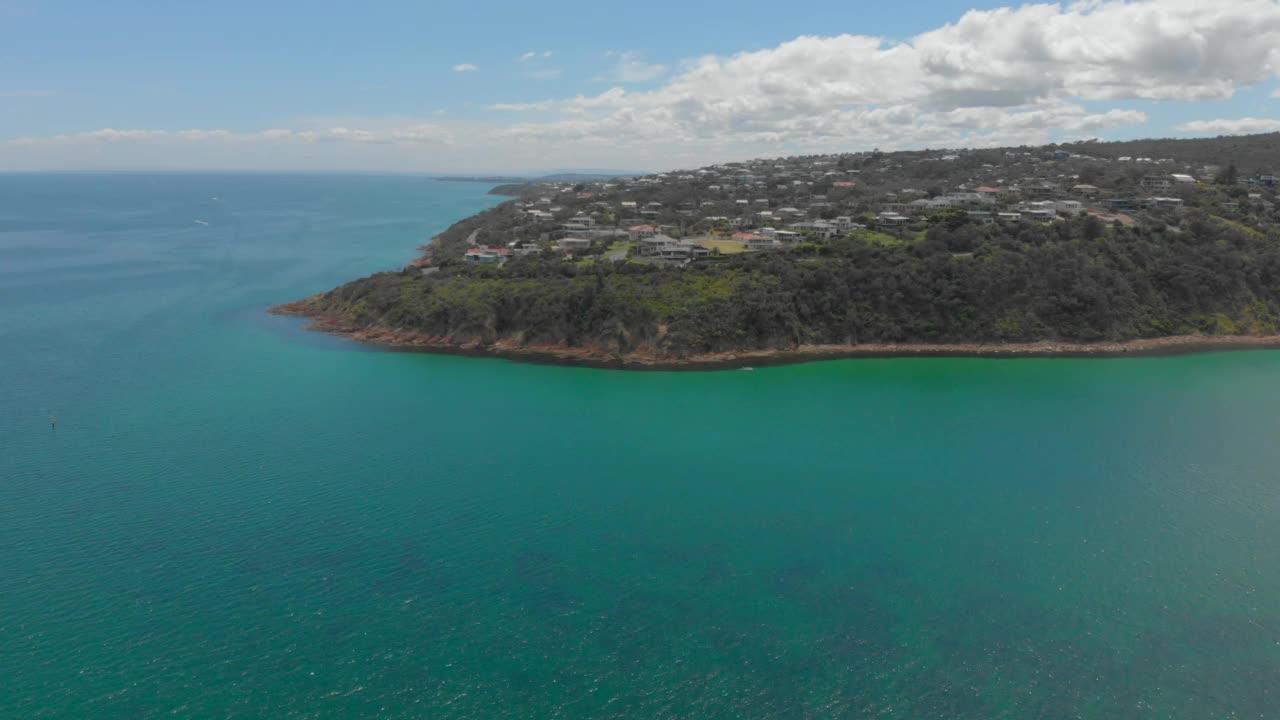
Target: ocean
237,518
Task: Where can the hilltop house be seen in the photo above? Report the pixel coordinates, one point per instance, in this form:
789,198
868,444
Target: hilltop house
654,244
481,255
581,223
1157,183
640,232
683,250
755,241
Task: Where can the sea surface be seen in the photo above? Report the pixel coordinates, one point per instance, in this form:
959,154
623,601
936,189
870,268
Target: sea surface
237,518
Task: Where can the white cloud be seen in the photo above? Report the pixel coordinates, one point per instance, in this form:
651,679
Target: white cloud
534,55
1275,93
1008,76
523,107
993,77
1240,126
465,67
632,68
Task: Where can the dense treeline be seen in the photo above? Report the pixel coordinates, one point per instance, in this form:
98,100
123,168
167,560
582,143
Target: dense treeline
1251,153
1076,280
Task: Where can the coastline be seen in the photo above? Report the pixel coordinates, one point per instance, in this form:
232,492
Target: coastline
604,358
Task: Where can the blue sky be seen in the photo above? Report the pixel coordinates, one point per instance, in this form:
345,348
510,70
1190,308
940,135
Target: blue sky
560,83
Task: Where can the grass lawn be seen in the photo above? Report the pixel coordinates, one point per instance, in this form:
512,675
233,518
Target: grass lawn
726,247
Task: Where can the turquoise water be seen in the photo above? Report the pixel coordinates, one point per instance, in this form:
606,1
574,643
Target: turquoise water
239,519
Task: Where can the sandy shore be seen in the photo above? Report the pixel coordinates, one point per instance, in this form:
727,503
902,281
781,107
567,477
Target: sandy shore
600,357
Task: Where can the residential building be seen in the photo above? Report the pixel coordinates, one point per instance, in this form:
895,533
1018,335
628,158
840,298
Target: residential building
654,244
640,232
481,255
573,244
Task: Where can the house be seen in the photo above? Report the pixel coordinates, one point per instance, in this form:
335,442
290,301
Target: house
1040,215
481,255
1088,191
1069,207
1119,204
581,223
572,244
640,232
1167,203
755,241
980,217
988,191
844,223
1183,179
1157,183
653,244
1009,217
683,250
889,219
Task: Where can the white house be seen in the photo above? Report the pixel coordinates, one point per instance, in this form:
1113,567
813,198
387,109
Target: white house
654,244
1069,207
1157,183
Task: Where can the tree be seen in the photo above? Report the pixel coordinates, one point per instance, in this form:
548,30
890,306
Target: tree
1228,176
952,218
1091,228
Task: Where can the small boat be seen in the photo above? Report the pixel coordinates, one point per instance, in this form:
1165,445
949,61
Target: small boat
202,222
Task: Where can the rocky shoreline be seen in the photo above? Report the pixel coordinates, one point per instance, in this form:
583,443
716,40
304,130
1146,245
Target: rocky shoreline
605,358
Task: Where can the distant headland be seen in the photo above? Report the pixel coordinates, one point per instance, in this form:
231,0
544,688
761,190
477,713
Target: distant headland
1082,250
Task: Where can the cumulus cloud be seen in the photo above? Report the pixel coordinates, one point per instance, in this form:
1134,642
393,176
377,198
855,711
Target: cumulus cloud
523,107
465,67
1275,93
1008,76
630,67
1239,126
993,77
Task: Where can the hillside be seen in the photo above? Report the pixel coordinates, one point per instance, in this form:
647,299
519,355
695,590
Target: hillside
1199,259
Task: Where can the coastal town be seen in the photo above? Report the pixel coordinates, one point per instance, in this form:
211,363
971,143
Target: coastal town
793,204
1063,249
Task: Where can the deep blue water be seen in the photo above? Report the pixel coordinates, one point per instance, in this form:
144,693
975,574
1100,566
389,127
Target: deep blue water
236,518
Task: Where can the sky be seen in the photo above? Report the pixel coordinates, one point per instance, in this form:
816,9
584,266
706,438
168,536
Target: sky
499,87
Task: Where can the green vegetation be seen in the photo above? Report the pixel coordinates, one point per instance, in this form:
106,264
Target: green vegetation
1081,280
